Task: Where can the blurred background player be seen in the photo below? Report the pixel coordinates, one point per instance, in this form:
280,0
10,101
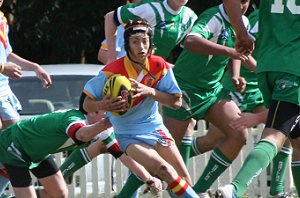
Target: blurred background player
169,27
120,49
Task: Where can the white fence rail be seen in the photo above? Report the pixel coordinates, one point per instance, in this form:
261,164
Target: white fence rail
88,184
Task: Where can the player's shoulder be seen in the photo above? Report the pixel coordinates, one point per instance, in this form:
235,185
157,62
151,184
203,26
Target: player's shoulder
158,61
115,65
158,65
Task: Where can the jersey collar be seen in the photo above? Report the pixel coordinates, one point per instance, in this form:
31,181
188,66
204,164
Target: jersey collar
130,69
223,12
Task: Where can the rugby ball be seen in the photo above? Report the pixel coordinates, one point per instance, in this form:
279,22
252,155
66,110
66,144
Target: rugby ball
119,85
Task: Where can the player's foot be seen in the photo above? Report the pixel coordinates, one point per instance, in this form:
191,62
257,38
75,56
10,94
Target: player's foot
225,192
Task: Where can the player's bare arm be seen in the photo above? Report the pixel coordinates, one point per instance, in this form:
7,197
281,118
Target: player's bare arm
154,184
31,66
250,63
170,100
106,104
200,45
244,44
110,35
12,70
86,133
238,82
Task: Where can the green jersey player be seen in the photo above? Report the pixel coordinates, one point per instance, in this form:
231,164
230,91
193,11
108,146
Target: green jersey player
26,146
250,101
198,70
171,21
278,77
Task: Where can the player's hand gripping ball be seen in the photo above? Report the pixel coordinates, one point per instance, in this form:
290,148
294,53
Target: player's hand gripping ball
119,85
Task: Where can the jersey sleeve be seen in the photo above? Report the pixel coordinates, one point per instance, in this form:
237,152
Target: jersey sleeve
206,26
93,88
74,120
169,84
132,11
104,44
120,49
111,143
8,47
253,20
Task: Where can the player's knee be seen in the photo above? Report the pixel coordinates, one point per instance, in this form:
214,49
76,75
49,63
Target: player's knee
240,135
164,171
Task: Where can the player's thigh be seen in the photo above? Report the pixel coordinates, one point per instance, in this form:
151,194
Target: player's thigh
55,185
21,181
50,177
222,113
145,155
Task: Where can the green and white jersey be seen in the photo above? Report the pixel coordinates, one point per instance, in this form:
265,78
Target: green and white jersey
279,38
33,139
249,75
201,71
170,27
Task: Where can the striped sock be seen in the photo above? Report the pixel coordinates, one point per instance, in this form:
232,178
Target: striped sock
112,145
185,148
280,163
131,186
257,160
75,161
195,148
182,189
216,165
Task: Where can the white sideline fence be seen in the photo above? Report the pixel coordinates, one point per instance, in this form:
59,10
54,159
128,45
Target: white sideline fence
94,187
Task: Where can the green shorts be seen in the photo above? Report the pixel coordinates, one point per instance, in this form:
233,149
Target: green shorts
195,103
247,101
10,153
279,86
